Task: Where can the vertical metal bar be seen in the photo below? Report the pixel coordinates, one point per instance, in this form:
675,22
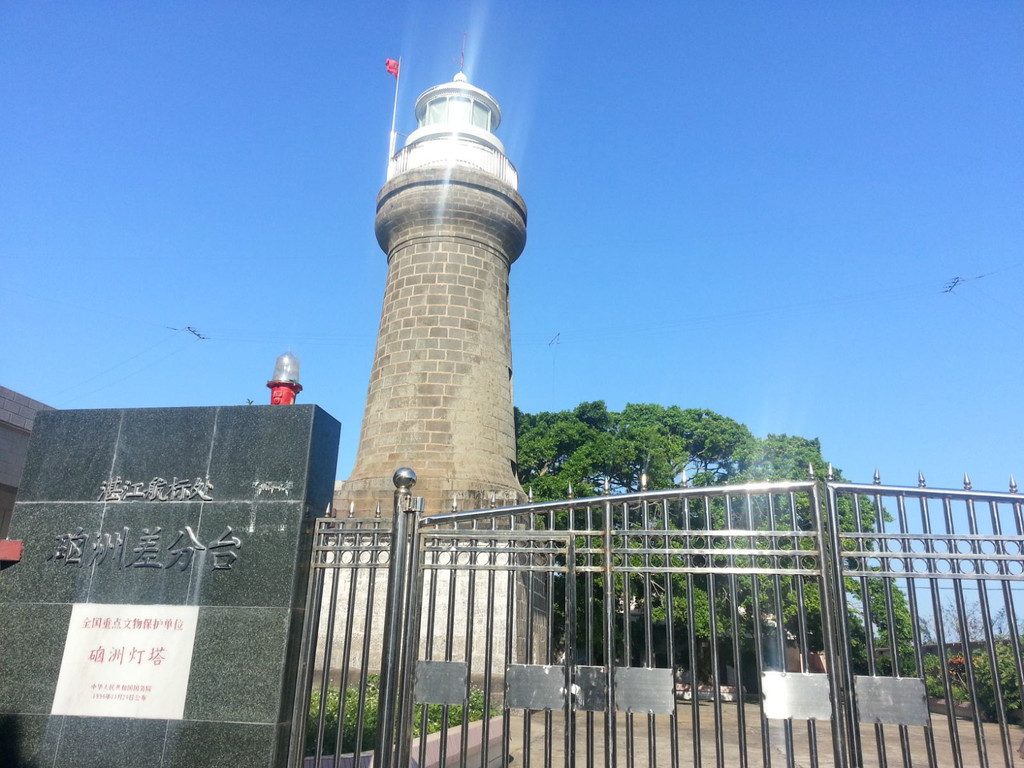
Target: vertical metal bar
986,626
645,521
777,604
431,556
449,642
803,632
627,622
570,643
673,723
940,636
328,653
471,611
413,593
1005,584
716,682
867,611
307,653
734,617
901,509
371,590
758,631
610,736
691,622
346,653
391,678
530,579
511,631
488,672
589,629
845,732
965,633
890,614
549,651
794,584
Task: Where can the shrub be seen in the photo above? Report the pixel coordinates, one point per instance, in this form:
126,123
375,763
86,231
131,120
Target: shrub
984,698
434,717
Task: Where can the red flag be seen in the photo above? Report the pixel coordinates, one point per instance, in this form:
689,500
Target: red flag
391,66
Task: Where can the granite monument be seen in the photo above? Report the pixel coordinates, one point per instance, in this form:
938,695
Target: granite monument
155,618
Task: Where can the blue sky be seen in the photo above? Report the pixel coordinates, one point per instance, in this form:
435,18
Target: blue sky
748,207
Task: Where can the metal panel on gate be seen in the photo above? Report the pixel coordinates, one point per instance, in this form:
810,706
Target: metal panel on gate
896,700
651,691
440,682
799,696
534,686
590,692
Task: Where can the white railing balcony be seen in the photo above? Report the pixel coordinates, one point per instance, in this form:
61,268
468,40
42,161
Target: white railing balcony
454,150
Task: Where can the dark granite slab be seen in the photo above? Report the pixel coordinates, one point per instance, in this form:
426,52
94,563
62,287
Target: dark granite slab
62,440
192,743
28,668
210,507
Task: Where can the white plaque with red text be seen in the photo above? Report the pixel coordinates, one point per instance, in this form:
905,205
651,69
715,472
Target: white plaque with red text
126,661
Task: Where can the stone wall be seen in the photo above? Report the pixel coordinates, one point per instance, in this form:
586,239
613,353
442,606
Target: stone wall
440,391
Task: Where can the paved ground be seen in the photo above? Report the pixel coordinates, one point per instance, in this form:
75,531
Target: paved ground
636,749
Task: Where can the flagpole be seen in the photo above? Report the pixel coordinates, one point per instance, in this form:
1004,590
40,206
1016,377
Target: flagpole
394,113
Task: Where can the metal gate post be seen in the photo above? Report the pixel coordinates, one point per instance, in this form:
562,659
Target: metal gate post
394,731
846,738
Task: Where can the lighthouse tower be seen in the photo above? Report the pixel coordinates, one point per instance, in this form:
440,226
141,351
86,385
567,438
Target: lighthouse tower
451,223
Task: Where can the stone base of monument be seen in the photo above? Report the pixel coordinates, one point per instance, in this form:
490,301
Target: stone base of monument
156,614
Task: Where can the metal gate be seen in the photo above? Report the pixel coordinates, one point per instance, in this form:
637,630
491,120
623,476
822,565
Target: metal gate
774,624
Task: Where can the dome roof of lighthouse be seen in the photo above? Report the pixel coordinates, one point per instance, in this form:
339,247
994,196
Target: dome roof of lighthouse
457,109
455,126
443,103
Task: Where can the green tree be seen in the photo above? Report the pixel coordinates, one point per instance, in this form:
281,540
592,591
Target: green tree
589,446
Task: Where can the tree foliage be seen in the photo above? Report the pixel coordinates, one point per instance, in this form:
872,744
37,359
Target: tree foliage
590,447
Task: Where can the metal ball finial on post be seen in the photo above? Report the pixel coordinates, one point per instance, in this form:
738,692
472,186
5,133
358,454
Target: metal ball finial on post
404,478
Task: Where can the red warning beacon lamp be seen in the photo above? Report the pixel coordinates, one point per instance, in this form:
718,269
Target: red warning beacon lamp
285,384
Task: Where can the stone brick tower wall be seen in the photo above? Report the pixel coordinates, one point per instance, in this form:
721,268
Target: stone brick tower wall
440,393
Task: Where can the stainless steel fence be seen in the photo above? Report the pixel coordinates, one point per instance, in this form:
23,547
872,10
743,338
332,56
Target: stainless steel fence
782,624
933,588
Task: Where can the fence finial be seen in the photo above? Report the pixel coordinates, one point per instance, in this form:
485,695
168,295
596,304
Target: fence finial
607,487
377,513
683,479
1013,484
529,494
455,504
643,481
494,500
810,470
570,494
831,472
967,482
920,479
351,509
404,477
878,477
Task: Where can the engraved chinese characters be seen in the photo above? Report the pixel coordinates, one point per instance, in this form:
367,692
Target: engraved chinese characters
144,550
157,489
